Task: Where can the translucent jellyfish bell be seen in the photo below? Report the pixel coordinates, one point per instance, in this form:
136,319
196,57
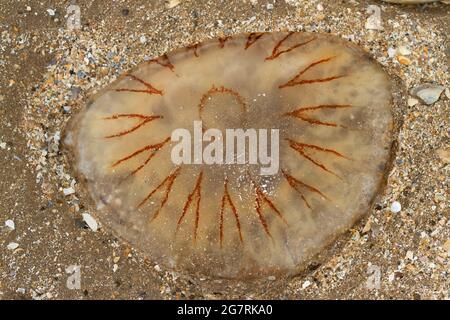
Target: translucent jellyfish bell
331,104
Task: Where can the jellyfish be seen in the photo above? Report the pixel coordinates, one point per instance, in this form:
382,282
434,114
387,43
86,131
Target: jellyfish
315,104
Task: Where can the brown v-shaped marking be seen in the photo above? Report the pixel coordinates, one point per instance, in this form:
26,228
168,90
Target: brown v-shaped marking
163,61
144,120
300,114
194,195
301,147
150,89
276,52
226,198
297,81
252,38
260,198
168,182
151,147
194,48
222,41
295,184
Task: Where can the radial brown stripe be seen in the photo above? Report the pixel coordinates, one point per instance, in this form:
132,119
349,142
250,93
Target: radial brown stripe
139,151
168,182
299,114
163,61
226,198
222,41
295,183
150,89
145,120
276,52
195,194
297,81
252,38
300,148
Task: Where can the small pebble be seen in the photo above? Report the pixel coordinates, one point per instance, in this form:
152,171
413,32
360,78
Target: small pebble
428,93
367,227
172,3
391,52
391,277
74,92
404,60
306,284
373,22
396,207
412,102
404,51
444,155
410,255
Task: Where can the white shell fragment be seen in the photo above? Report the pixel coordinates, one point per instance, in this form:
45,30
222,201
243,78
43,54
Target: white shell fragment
90,221
68,191
10,224
12,246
